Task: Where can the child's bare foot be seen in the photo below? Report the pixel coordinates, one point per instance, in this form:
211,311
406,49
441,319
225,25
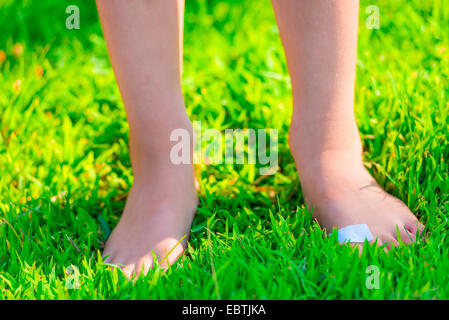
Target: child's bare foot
320,42
157,216
343,193
144,39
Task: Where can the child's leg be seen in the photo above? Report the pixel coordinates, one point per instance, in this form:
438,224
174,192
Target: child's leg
145,42
320,42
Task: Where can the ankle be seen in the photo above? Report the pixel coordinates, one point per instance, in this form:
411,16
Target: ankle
321,142
151,148
324,164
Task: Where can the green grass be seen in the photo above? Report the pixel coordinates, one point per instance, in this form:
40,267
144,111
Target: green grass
65,169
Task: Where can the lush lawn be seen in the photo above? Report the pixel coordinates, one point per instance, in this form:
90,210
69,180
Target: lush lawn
65,169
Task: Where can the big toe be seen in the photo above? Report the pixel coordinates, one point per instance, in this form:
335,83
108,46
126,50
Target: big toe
415,228
144,264
405,235
129,270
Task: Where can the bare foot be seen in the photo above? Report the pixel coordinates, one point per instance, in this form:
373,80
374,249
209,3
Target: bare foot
343,193
157,216
144,40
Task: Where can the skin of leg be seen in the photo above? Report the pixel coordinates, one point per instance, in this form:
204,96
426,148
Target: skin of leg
320,42
144,40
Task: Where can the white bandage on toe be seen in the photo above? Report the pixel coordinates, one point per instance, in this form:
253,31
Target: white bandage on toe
355,233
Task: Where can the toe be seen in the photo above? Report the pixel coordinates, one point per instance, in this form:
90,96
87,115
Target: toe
129,270
378,241
406,236
169,251
391,242
144,265
415,227
381,242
